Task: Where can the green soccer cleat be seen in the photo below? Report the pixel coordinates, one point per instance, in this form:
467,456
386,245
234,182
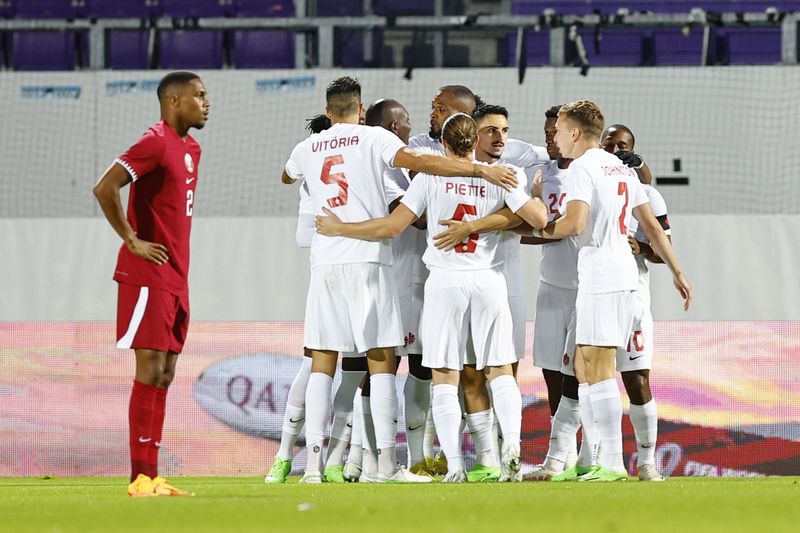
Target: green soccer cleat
572,474
334,474
602,474
483,474
279,471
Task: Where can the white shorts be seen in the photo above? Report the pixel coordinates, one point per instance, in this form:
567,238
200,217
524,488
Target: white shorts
638,353
604,319
352,308
554,309
411,321
461,305
516,304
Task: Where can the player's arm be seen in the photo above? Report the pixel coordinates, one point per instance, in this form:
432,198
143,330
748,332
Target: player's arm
648,253
570,225
420,223
459,231
663,247
441,166
107,193
376,229
287,179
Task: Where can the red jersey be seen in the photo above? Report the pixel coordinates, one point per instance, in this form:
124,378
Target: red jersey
164,171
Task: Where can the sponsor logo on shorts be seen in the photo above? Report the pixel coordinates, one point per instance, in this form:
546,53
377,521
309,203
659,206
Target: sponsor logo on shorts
632,358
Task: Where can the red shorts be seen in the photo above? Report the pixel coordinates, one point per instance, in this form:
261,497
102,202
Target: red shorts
151,319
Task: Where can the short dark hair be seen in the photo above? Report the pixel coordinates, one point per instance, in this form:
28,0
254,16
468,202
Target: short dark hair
180,77
624,128
318,123
343,96
462,93
552,113
374,114
488,109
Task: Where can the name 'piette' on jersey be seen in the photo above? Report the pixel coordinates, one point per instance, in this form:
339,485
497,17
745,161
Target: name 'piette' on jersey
343,167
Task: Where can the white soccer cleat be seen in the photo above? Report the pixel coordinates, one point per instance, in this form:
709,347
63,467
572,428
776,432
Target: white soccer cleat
459,476
311,478
509,469
539,473
402,475
351,472
649,473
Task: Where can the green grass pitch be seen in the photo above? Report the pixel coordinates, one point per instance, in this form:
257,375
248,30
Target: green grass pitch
681,505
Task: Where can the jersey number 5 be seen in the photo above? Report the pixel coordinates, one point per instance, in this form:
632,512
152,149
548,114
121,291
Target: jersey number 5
622,188
472,242
337,178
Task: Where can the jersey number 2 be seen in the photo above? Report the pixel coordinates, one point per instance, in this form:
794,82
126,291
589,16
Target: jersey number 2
337,178
622,188
472,242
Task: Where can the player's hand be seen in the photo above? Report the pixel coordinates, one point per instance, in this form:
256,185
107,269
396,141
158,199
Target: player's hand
634,244
500,175
329,225
456,233
537,185
630,159
685,288
149,251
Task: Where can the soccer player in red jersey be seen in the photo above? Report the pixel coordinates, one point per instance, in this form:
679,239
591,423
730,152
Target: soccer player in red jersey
153,263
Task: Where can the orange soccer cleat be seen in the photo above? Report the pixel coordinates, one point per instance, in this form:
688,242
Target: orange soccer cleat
140,487
162,488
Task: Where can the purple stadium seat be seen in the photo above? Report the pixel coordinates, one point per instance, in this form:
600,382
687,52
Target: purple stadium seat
263,49
190,49
618,46
537,47
6,9
43,50
46,9
403,7
195,8
751,46
348,48
127,50
264,8
672,47
120,9
340,8
581,7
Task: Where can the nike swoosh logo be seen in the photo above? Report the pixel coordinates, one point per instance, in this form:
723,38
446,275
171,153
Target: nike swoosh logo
293,421
189,180
416,428
635,358
349,425
158,444
643,446
144,440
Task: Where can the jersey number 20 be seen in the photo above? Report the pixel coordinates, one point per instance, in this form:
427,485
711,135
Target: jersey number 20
337,178
466,247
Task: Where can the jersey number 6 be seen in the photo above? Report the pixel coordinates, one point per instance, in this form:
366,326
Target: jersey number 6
466,247
338,178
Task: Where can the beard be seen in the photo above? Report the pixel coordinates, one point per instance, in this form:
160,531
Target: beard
435,134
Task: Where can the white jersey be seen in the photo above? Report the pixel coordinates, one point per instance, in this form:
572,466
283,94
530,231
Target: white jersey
523,155
344,169
612,190
424,144
659,208
404,246
510,248
559,264
306,207
461,199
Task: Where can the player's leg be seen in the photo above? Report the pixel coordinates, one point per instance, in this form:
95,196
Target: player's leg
417,396
354,367
508,408
447,417
480,421
355,456
369,472
293,419
318,403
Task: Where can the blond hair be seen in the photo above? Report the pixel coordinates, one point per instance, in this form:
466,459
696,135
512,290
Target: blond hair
586,115
460,132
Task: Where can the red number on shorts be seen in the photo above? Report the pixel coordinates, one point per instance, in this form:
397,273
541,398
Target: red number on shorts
556,199
337,178
466,247
637,341
623,189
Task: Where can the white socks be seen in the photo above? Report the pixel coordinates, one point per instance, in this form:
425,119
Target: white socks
607,408
369,464
480,430
563,435
356,453
508,408
644,419
318,400
295,414
589,442
343,416
383,402
447,417
417,395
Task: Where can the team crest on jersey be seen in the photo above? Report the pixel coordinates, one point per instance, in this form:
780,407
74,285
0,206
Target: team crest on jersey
566,360
187,160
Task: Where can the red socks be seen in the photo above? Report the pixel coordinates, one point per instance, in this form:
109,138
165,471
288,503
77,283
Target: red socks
146,421
141,411
159,410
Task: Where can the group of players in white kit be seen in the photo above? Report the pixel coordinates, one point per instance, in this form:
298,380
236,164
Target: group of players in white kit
479,196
